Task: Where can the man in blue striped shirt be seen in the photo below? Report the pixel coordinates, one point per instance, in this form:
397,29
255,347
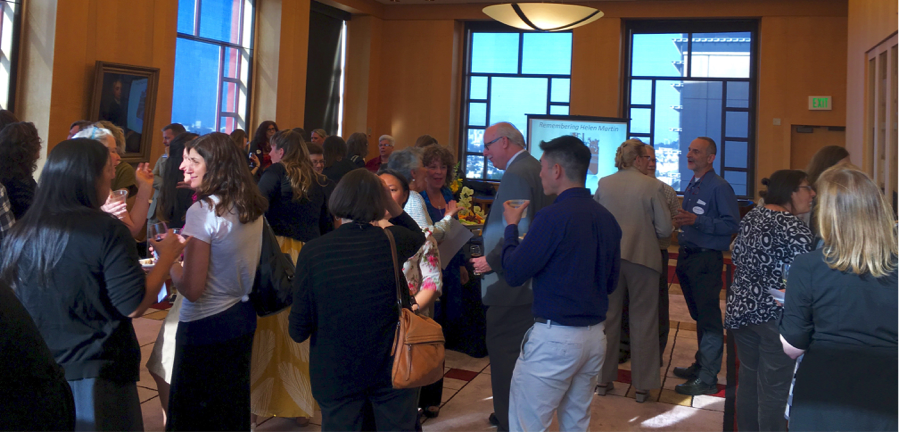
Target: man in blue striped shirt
573,253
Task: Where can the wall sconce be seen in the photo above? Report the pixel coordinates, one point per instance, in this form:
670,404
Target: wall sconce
545,17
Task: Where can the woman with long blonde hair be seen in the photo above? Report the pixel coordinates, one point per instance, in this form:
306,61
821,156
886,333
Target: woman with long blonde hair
297,213
841,311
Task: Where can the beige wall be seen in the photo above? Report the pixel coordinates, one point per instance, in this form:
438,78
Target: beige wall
63,40
404,63
869,23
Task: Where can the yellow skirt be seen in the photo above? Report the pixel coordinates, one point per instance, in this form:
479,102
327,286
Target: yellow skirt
279,373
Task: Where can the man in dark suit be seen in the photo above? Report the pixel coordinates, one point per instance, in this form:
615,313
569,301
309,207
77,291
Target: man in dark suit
509,313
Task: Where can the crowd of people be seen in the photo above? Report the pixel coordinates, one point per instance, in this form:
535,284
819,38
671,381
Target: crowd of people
564,277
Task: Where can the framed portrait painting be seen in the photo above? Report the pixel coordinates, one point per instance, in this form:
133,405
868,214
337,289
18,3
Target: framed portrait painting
126,96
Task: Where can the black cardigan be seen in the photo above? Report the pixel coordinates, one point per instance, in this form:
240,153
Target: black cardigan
345,300
301,220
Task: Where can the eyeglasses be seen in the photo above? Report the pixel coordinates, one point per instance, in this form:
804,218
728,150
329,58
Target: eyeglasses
806,187
487,144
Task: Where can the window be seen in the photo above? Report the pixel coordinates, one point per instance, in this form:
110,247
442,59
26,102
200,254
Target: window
10,21
882,127
688,79
213,55
509,74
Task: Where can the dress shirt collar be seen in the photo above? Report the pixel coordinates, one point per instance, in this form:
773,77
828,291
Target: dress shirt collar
512,159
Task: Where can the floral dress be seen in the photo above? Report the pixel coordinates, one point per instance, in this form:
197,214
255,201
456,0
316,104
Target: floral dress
423,272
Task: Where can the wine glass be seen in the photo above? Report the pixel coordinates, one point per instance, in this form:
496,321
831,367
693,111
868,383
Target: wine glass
476,253
785,270
158,230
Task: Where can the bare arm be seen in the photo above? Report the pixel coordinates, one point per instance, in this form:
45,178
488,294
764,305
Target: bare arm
190,279
168,250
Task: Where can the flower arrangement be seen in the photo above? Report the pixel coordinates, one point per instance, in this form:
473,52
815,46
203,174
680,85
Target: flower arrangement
470,215
457,179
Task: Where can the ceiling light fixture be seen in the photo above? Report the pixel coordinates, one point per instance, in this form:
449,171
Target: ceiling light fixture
544,17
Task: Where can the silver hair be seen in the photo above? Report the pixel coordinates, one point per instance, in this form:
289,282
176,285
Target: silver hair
389,139
94,133
628,152
508,130
405,161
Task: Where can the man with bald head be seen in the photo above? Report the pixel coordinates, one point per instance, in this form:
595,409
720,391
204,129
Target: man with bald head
708,217
509,313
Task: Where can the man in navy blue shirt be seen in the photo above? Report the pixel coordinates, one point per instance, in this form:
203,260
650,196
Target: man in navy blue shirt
708,217
572,251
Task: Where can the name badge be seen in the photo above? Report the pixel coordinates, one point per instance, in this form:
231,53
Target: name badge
698,210
700,202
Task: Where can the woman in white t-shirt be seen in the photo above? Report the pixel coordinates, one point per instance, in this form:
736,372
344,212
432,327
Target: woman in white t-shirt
211,380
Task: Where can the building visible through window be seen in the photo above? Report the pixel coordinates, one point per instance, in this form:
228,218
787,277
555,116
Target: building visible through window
692,83
212,64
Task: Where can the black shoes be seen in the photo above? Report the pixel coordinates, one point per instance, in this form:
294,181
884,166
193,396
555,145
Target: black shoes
696,387
493,420
687,373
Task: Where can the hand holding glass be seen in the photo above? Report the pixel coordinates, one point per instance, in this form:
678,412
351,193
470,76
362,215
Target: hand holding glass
118,196
476,253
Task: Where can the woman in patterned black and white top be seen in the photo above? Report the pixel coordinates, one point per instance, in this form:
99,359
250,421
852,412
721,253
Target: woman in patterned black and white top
770,236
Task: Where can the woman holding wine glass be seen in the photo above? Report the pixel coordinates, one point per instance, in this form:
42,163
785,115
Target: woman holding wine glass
76,271
211,379
770,236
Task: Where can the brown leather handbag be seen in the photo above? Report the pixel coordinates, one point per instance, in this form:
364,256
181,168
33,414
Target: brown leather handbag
418,352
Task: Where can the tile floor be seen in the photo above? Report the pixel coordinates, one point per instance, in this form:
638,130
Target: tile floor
467,394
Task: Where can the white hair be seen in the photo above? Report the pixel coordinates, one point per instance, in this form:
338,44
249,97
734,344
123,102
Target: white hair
508,130
95,133
388,138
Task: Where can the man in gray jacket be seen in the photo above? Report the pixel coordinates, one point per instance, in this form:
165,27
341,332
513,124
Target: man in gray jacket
638,204
509,313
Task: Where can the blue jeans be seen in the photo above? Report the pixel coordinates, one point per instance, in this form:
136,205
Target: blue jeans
557,370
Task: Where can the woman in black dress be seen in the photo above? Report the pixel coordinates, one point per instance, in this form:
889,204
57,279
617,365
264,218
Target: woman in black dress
841,311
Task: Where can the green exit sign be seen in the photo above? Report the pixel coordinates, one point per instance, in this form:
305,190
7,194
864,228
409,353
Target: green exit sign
820,103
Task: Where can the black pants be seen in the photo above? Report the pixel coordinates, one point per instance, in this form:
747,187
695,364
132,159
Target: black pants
431,395
664,317
506,326
699,274
37,405
391,409
765,376
211,380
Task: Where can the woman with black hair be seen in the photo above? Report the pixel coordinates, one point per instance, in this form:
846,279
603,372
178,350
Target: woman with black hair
20,148
76,271
173,200
352,328
261,144
770,237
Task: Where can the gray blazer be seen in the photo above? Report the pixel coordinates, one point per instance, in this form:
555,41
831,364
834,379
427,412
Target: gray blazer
521,180
639,205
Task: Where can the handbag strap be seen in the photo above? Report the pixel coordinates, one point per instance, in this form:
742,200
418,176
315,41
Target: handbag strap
396,269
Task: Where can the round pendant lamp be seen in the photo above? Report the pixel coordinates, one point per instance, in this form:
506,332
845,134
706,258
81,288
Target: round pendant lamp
546,17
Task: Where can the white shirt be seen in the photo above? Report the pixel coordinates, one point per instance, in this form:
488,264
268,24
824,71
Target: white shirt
513,158
233,257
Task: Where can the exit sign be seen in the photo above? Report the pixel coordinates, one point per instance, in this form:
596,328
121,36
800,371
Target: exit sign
820,103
